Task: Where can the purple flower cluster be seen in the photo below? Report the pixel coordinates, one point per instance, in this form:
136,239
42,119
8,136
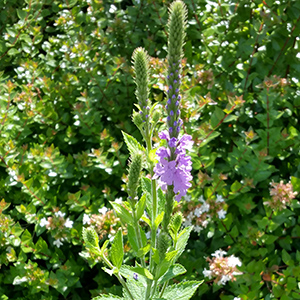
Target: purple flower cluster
174,172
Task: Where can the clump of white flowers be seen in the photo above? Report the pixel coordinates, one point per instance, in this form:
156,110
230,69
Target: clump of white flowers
200,212
222,268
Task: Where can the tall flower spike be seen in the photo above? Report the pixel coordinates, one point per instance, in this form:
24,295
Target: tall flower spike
140,61
176,29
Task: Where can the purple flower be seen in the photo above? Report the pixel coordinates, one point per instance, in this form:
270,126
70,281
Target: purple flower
169,101
171,113
177,102
179,97
172,142
175,81
164,135
177,90
173,96
135,276
175,172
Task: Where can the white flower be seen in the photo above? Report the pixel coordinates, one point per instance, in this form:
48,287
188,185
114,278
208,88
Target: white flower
219,198
222,214
187,222
234,261
44,222
198,228
205,223
197,212
207,273
69,223
187,198
103,210
86,219
201,199
205,207
236,298
57,243
224,279
219,253
118,200
59,214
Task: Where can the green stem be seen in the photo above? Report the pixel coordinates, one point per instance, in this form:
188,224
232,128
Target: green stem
153,218
118,275
167,282
138,235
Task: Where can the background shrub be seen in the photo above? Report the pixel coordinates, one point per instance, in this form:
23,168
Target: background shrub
66,92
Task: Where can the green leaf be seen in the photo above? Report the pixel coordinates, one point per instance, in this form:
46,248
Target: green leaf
140,207
164,265
181,291
132,144
159,219
132,238
137,289
173,271
21,14
128,273
217,117
107,297
182,240
117,250
142,271
143,251
122,213
287,258
26,242
13,51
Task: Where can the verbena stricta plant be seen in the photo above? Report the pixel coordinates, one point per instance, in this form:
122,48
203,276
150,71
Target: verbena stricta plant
151,198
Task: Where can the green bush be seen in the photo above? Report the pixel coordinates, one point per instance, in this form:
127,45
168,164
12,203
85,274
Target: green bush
66,92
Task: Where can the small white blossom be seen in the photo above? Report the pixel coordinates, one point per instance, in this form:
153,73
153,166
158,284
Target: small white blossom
187,198
236,298
198,228
86,219
222,214
198,212
205,223
220,198
59,214
103,210
205,207
219,253
224,279
201,199
207,273
187,222
44,222
234,261
69,223
118,200
57,243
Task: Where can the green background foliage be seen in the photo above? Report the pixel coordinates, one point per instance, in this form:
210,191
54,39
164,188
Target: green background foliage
66,92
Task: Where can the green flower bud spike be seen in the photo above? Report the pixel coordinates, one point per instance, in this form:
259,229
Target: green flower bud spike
175,224
163,244
135,169
90,238
140,61
176,30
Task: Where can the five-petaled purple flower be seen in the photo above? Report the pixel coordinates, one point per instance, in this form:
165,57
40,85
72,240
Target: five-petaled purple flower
174,172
